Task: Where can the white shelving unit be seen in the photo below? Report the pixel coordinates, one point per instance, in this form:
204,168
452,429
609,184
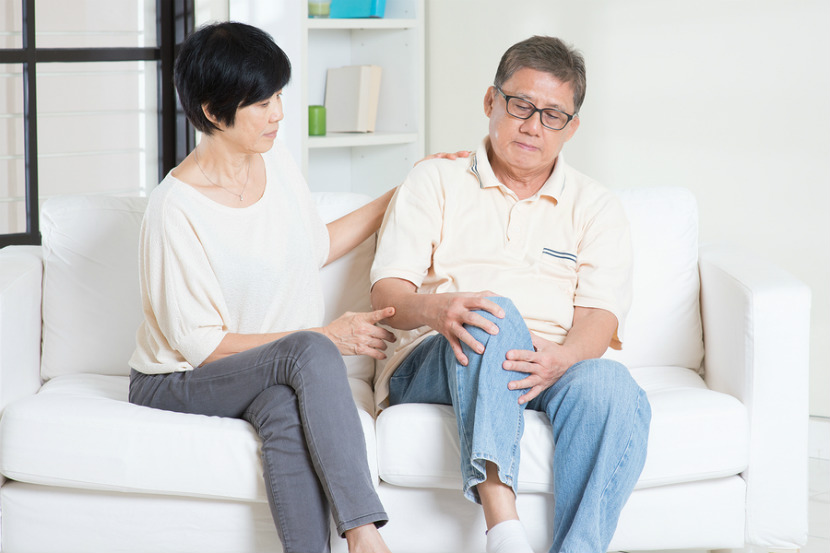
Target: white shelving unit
369,163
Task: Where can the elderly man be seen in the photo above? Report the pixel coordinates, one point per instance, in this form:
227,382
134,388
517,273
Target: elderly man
510,276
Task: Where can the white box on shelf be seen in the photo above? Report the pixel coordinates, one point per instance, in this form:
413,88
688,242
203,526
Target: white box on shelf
352,94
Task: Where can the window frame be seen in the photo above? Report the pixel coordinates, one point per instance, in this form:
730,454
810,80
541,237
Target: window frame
176,137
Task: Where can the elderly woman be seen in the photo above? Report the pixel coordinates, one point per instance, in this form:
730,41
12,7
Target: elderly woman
231,247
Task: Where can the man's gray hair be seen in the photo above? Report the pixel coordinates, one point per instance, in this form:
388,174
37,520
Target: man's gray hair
548,54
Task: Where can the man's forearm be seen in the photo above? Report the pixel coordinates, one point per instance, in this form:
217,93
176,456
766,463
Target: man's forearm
410,308
448,313
591,333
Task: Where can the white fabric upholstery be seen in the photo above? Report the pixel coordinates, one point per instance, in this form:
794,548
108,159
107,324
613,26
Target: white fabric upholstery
20,288
663,327
418,444
346,281
725,461
758,326
37,519
96,440
91,302
702,515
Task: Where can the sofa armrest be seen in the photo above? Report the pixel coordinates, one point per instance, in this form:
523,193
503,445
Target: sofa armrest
21,275
756,328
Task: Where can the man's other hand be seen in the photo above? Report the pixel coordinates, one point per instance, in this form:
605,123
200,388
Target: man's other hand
544,366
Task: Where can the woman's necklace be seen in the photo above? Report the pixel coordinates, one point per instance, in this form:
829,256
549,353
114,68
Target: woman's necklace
244,186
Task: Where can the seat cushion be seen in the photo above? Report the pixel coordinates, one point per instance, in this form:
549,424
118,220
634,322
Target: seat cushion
80,431
696,434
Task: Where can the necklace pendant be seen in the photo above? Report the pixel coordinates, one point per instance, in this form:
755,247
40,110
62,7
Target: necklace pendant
241,198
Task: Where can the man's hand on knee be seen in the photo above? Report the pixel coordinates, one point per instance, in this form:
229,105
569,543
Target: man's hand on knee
544,366
448,313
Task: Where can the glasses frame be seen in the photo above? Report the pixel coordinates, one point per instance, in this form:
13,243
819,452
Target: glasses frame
507,99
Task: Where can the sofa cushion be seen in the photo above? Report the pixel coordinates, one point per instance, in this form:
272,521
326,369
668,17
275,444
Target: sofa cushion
91,298
79,431
346,280
696,434
663,327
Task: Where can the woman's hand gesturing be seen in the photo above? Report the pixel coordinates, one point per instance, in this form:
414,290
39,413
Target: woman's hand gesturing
358,333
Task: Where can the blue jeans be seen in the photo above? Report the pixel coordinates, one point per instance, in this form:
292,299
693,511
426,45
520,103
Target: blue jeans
598,414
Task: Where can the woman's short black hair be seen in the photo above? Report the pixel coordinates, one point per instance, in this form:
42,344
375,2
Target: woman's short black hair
226,66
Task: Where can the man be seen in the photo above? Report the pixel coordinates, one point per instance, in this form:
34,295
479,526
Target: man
510,272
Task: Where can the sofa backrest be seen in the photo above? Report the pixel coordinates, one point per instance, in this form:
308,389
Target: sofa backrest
663,327
91,298
92,306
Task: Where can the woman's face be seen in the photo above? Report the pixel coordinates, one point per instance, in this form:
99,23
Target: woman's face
256,125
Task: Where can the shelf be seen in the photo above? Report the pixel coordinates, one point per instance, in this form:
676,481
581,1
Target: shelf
348,140
350,162
369,23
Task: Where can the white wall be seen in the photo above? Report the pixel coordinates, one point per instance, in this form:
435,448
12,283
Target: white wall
729,98
208,11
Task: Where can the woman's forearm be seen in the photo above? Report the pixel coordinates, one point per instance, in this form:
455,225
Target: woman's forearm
349,231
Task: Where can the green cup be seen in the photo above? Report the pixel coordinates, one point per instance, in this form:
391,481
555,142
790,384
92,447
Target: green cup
319,8
316,120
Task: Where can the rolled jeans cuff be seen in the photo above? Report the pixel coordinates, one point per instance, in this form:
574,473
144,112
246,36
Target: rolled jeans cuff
379,519
477,473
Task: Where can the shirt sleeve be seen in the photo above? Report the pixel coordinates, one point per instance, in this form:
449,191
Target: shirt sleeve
604,271
411,228
180,288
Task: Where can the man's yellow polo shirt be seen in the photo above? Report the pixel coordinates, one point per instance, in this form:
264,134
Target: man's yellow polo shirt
453,227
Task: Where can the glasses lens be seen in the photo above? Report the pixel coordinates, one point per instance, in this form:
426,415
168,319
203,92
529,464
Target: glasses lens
519,108
554,119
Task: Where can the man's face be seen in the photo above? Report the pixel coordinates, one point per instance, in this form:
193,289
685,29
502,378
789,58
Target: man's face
525,146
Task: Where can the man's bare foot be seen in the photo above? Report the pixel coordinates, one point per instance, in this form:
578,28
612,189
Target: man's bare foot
365,539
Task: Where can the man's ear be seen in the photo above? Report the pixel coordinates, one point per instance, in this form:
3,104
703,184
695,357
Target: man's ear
489,100
571,128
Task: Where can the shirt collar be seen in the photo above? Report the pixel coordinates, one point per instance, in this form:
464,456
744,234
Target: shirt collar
480,167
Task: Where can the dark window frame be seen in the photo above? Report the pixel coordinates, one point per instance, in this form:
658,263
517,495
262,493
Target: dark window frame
176,137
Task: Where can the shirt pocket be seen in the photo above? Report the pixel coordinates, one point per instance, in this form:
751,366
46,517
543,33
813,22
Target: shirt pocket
557,267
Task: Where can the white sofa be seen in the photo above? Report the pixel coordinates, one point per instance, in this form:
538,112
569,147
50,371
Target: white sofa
716,337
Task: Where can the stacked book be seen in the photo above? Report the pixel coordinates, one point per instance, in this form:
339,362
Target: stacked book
352,98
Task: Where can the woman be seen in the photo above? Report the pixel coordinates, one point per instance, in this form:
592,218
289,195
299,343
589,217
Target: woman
231,246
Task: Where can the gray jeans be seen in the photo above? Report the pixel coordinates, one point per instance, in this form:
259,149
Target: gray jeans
295,393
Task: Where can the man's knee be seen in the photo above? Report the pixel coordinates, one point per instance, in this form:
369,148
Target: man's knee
511,313
512,324
608,384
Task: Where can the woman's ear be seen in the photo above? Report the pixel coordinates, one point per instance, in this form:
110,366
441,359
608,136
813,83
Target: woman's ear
209,115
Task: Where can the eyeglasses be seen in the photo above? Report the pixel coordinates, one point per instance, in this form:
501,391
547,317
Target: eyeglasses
550,118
